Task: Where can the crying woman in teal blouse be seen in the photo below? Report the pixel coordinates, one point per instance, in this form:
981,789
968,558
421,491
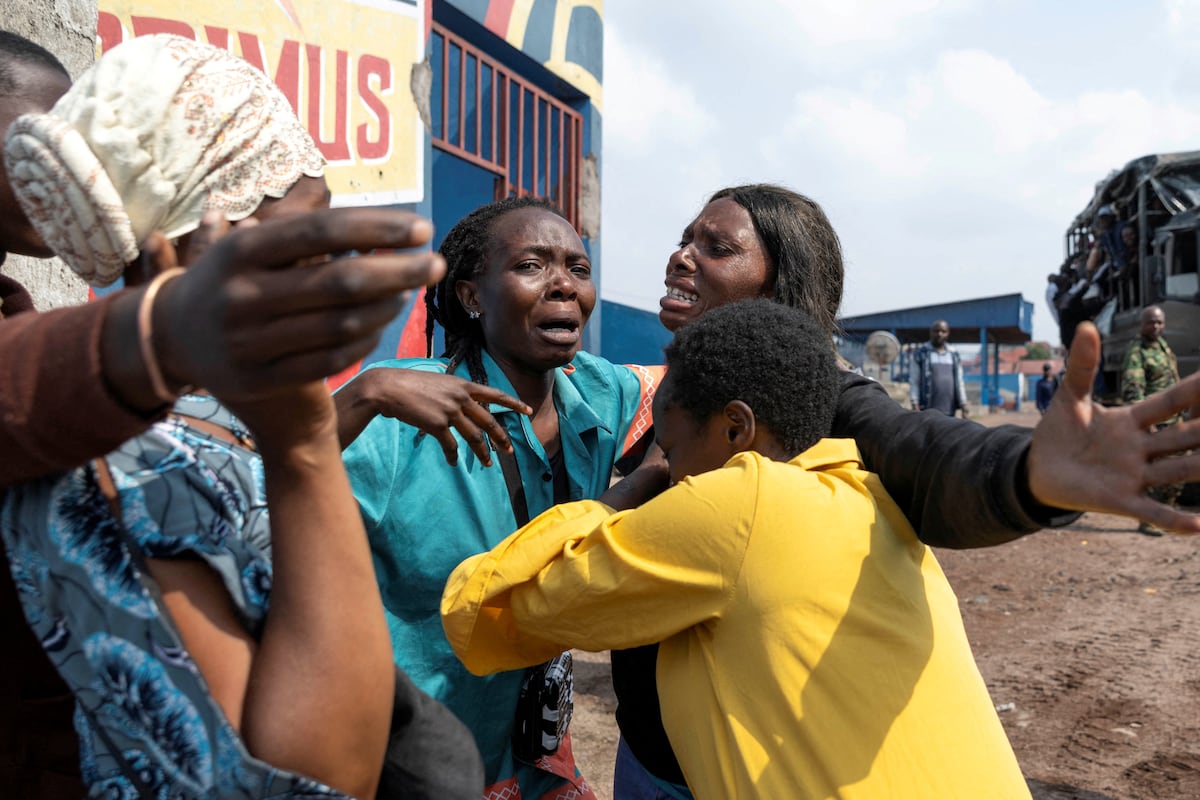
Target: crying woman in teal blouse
517,294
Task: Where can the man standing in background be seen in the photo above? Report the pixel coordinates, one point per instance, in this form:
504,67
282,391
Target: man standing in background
1045,388
1150,367
936,377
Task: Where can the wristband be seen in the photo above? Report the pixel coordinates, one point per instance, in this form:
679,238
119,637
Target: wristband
145,329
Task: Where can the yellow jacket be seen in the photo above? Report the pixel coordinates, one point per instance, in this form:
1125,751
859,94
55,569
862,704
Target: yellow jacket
811,646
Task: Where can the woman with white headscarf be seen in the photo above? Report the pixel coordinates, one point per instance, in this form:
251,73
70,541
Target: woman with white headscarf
210,654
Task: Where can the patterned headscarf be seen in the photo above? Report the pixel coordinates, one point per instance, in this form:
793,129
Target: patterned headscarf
159,130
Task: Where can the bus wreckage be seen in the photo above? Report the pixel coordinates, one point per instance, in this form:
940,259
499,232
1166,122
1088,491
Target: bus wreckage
1135,245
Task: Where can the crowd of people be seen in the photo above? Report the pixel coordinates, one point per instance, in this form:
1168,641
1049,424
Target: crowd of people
248,588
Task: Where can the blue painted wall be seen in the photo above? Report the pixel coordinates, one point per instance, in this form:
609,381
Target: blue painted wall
1013,382
630,335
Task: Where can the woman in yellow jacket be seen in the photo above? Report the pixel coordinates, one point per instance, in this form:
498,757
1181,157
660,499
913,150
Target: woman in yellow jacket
811,646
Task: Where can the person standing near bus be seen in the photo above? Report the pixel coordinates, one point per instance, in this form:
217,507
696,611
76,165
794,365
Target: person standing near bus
1150,367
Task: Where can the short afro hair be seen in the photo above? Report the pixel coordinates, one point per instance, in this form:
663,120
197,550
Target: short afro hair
774,358
16,52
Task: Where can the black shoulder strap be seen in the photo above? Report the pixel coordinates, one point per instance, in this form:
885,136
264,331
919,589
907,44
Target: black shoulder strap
516,489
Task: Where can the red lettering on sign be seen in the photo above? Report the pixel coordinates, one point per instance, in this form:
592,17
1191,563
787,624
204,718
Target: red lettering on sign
373,80
143,26
217,37
374,74
110,31
338,148
287,71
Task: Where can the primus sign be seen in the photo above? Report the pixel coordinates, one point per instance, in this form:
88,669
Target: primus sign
345,65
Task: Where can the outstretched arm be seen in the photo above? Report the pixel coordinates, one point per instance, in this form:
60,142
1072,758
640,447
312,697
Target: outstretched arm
432,402
961,485
313,693
577,573
252,314
1091,458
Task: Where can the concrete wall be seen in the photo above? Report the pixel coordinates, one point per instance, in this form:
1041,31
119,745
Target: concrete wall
66,28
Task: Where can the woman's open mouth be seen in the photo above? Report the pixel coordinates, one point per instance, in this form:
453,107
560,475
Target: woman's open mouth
679,300
675,293
560,331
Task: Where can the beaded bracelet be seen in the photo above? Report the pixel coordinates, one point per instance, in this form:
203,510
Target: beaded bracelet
145,329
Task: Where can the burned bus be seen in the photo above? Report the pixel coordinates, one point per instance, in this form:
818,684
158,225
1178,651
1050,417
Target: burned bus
1158,198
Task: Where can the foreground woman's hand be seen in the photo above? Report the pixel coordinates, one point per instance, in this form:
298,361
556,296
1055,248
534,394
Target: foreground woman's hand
432,402
262,308
1089,458
313,692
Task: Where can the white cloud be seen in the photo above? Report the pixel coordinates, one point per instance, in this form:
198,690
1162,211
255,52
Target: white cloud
662,156
971,117
645,106
834,22
989,89
1183,17
843,121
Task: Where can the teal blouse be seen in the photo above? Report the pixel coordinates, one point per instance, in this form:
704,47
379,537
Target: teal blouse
424,516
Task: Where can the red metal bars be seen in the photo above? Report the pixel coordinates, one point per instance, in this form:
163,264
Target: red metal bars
516,148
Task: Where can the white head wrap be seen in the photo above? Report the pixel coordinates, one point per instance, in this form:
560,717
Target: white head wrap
159,130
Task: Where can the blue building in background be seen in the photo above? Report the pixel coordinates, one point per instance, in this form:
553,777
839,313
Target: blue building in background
631,336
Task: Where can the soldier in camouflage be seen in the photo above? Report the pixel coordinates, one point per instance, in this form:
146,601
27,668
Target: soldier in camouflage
1150,367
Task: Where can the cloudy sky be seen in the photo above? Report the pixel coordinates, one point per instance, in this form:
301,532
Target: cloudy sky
950,141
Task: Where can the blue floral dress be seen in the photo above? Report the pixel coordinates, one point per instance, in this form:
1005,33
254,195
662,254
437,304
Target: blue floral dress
184,493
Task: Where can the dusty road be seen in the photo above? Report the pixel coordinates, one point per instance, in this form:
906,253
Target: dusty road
1089,636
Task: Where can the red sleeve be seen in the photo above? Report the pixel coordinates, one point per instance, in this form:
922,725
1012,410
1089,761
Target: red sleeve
643,419
56,410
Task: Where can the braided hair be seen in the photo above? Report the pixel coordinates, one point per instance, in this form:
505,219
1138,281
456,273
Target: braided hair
465,248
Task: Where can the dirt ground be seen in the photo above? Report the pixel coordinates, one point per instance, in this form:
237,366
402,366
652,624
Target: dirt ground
1089,639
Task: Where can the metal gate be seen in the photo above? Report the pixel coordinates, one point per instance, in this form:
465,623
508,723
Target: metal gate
488,115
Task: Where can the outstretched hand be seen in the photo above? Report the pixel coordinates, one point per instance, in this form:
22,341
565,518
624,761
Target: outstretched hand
265,307
1086,457
433,402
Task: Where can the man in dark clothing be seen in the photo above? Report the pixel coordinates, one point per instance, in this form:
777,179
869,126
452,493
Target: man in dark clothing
935,377
1045,389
